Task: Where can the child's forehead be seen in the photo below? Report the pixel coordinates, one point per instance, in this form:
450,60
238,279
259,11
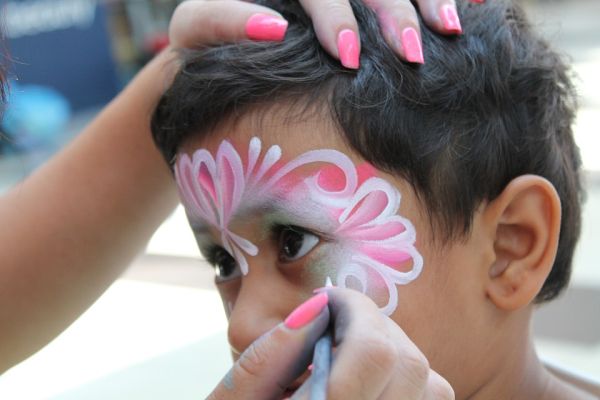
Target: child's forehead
294,135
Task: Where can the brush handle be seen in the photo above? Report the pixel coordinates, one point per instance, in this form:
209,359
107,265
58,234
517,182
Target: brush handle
321,366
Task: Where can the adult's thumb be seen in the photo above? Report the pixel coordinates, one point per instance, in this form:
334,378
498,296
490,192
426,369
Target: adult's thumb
277,358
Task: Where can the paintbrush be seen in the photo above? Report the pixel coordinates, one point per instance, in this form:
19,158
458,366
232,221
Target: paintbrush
321,363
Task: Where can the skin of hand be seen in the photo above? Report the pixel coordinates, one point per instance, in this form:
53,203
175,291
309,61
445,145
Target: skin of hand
373,357
71,228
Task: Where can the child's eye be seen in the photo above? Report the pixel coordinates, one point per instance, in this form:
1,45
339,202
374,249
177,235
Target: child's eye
225,265
294,243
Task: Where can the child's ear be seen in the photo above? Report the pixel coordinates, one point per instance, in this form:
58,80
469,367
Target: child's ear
525,219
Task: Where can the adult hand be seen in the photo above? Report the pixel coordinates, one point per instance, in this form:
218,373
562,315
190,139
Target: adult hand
373,359
208,22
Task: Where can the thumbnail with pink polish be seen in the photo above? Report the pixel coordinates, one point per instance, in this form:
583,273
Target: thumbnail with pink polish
412,45
307,311
266,27
348,48
450,19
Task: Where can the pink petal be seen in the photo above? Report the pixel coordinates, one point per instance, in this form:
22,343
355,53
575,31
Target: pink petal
339,159
231,180
376,232
392,257
227,187
206,181
204,184
366,210
253,152
184,176
331,178
271,157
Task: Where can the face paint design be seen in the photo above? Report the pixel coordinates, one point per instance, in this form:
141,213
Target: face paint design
359,213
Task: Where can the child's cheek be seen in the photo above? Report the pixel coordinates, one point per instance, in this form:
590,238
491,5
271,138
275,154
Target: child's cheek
334,260
321,264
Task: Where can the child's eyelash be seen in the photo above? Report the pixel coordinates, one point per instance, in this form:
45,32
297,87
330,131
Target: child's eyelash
210,253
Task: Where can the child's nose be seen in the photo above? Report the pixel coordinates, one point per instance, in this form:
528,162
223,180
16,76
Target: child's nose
260,305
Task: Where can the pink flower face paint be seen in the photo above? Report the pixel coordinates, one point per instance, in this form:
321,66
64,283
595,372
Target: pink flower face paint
352,206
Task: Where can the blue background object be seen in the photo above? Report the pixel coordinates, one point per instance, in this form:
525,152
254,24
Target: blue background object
63,45
36,116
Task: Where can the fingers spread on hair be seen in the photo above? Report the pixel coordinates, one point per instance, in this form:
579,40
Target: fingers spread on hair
441,16
400,27
336,29
198,23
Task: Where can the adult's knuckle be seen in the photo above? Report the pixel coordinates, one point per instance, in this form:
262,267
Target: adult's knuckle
380,352
336,8
390,6
416,367
196,9
253,360
403,6
208,17
403,11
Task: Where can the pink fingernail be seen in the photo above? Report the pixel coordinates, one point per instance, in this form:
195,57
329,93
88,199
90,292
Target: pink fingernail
478,1
266,27
450,19
412,45
307,311
348,48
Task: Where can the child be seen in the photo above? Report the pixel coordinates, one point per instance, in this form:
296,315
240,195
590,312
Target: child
448,193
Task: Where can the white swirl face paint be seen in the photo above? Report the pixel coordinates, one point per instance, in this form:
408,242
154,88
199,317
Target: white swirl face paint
358,210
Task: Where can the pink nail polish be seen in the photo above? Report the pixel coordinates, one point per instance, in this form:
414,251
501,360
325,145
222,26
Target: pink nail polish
478,1
266,27
450,19
412,45
348,48
307,311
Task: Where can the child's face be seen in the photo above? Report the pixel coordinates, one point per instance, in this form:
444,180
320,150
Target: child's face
321,212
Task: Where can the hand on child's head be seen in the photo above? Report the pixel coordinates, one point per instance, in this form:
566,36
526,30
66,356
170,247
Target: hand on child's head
198,23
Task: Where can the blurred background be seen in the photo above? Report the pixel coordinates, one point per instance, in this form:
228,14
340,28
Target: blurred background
159,331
